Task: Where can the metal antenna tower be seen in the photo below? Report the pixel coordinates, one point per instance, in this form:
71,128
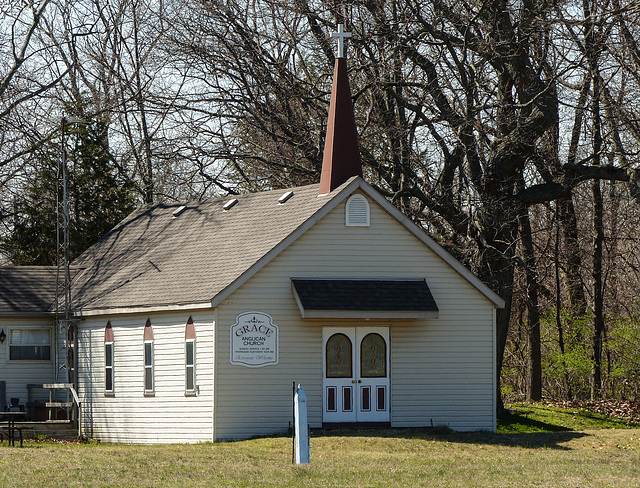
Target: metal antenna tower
65,350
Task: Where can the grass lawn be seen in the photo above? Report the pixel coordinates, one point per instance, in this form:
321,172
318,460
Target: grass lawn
534,447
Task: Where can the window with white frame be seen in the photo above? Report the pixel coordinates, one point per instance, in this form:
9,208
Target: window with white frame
190,358
108,359
30,344
190,366
148,359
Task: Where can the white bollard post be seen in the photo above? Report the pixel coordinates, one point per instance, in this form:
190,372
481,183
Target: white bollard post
301,427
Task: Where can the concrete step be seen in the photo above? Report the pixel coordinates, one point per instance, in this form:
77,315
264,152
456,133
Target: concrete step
58,430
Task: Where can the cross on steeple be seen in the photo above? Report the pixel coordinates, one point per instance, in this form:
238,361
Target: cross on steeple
341,35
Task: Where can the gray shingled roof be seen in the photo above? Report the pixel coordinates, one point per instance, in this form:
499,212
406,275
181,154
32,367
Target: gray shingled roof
153,259
27,289
364,295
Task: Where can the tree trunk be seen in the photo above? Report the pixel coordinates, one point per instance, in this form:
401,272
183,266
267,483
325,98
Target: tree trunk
146,157
534,364
573,264
593,47
559,326
497,270
598,305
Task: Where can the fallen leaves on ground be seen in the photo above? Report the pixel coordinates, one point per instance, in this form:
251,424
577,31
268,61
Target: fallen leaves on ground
626,409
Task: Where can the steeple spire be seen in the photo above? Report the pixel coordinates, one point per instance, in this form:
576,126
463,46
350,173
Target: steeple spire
341,158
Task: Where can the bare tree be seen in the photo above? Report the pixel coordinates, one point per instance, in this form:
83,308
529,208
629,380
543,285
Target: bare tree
458,104
26,79
20,22
116,55
472,116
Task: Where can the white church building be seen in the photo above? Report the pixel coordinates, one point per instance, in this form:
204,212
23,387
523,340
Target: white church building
194,320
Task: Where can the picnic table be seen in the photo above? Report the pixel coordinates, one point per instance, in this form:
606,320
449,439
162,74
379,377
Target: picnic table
11,428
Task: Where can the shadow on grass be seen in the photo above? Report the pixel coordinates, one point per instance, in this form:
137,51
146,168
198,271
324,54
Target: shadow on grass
513,423
531,440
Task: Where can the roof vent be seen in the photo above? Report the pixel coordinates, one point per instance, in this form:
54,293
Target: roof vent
357,212
285,197
178,211
230,204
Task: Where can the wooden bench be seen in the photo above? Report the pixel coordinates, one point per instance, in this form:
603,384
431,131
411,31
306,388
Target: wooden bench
53,405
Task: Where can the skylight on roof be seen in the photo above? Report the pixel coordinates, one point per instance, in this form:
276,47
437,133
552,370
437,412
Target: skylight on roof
178,211
230,204
285,197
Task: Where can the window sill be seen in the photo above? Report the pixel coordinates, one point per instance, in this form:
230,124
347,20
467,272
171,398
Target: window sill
109,394
191,393
149,394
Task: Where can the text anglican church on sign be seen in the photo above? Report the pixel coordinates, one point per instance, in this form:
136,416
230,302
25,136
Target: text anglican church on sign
254,340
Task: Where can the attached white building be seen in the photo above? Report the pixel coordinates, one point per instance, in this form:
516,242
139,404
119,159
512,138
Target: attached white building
195,320
28,338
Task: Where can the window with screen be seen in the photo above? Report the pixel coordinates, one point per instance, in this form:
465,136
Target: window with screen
30,345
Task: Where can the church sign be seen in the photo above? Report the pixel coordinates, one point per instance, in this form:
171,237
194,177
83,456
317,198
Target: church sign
254,340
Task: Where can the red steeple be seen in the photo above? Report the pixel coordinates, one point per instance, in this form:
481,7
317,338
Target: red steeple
341,154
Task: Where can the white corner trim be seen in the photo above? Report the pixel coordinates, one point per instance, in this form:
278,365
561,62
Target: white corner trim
495,370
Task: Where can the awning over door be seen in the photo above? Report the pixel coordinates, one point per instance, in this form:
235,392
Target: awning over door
347,298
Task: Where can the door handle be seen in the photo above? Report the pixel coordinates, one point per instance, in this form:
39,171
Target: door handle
353,381
359,381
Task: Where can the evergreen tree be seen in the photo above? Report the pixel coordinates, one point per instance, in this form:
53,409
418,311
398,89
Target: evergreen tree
98,194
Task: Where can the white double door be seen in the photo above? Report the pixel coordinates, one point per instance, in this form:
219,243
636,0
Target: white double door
355,374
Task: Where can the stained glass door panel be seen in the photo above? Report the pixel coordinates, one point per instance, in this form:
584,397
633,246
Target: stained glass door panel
372,375
339,382
339,356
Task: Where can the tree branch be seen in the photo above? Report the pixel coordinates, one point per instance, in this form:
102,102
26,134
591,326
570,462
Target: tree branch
577,173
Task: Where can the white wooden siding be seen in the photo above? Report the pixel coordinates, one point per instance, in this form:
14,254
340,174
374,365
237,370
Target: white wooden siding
18,374
129,416
441,370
